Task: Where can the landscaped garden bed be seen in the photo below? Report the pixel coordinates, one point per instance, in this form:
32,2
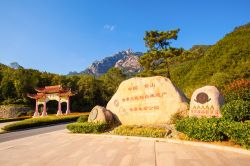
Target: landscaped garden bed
113,128
88,127
2,120
231,127
215,129
218,131
143,131
42,121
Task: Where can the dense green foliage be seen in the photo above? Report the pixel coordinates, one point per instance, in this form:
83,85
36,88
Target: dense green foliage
82,119
237,90
215,129
90,91
37,122
237,132
88,127
236,110
110,82
227,60
144,131
205,129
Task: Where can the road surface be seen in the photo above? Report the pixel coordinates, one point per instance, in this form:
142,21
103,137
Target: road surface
30,132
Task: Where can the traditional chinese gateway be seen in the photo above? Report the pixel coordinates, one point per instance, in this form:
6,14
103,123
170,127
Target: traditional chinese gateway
48,93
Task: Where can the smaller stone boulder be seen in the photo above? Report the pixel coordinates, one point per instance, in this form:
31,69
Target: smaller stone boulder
100,114
206,101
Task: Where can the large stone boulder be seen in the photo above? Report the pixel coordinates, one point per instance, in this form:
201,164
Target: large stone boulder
100,114
13,111
150,100
206,101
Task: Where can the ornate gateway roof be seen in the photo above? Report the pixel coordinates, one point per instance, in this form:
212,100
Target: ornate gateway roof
56,89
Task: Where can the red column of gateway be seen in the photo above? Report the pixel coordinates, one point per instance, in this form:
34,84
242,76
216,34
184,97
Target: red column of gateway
68,106
44,109
36,114
59,112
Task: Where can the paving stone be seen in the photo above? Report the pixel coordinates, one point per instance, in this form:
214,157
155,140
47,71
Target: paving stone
64,149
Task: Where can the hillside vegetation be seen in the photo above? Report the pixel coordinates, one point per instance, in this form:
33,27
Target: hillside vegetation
227,60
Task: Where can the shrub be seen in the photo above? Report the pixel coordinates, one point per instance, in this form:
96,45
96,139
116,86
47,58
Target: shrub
2,120
212,129
35,122
30,113
133,130
238,89
204,129
88,127
175,117
236,110
82,119
237,132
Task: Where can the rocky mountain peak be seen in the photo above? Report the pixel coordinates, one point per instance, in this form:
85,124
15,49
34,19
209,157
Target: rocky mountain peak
126,60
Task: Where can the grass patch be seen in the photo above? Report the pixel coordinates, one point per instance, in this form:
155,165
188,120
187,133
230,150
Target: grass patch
143,131
87,127
2,120
42,121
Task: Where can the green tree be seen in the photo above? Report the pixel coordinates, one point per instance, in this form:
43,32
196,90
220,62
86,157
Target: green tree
7,88
24,81
159,51
87,92
110,81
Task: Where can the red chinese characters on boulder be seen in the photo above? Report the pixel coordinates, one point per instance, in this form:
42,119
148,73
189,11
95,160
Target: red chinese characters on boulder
143,97
146,86
133,88
145,108
208,111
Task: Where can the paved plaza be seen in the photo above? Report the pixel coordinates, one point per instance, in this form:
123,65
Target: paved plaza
60,148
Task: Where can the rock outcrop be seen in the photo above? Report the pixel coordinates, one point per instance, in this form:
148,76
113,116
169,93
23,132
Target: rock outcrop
129,65
127,61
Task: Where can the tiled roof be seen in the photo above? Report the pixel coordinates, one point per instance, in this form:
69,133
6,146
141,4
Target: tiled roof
50,89
56,89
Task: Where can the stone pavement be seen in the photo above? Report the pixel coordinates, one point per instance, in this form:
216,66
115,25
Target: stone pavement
62,149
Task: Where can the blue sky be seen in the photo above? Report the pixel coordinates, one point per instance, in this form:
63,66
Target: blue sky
59,36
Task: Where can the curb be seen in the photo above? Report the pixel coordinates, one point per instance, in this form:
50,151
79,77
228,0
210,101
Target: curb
198,144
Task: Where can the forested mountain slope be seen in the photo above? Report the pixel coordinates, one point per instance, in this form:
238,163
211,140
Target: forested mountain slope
227,60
